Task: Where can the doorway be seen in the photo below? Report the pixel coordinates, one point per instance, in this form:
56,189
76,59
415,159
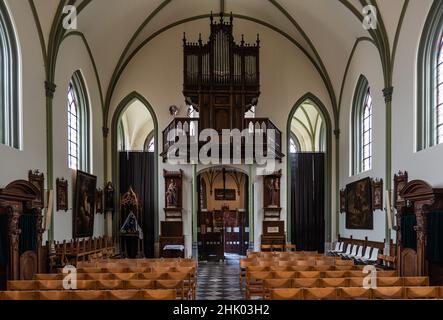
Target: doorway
222,218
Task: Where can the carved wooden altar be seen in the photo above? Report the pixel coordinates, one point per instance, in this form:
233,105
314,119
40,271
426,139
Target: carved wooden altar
20,207
416,198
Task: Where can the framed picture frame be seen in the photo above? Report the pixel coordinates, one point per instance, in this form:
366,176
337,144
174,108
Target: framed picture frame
61,194
99,201
359,212
377,194
225,194
109,195
84,205
343,201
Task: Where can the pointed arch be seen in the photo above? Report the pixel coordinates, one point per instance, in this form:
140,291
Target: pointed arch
10,82
121,108
328,163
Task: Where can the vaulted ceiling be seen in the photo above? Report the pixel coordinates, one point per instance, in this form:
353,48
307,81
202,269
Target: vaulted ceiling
326,30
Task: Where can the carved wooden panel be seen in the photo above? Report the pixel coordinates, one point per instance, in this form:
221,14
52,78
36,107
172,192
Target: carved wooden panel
408,263
38,180
28,265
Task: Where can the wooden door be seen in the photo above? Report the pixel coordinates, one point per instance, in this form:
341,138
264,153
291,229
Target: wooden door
233,229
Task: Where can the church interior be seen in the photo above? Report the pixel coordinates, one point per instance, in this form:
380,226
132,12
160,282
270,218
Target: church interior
221,149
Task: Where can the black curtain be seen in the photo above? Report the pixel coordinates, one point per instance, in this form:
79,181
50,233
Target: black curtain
137,171
408,234
28,236
308,201
434,246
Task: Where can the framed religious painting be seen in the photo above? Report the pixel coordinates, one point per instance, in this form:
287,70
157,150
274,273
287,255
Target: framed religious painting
84,205
359,213
61,194
377,194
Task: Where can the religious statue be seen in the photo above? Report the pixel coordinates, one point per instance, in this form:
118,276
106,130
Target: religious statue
171,194
272,190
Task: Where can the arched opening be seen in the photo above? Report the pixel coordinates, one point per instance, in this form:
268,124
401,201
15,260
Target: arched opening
309,174
222,213
134,123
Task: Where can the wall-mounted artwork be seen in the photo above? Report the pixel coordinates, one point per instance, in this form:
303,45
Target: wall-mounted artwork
38,180
400,181
359,214
84,205
109,197
342,201
99,201
225,195
377,194
62,194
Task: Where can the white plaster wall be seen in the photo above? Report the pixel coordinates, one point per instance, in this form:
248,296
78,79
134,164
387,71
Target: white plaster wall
366,62
156,73
73,56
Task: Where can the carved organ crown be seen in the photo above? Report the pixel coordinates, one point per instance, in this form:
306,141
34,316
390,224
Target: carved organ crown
221,78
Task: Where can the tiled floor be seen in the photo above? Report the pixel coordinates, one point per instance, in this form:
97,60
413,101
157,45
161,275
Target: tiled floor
219,280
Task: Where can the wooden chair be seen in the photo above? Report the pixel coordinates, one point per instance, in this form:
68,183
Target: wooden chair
99,276
19,295
254,283
340,262
49,276
274,284
188,282
257,269
125,276
422,293
301,268
309,274
159,294
280,269
172,284
54,295
344,268
116,270
357,274
355,282
124,295
286,294
390,282
385,274
320,293
110,285
152,276
138,269
354,293
278,247
266,247
290,247
267,263
46,285
309,263
391,293
88,295
416,281
335,274
91,270
305,283
285,263
323,268
333,282
22,285
285,274
140,284
86,285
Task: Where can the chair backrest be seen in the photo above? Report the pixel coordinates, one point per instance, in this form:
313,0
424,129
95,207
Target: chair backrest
344,262
305,283
22,285
422,293
159,294
54,295
342,245
277,283
337,246
320,293
19,295
390,282
309,274
284,274
355,293
390,293
333,282
367,254
374,255
110,285
286,294
359,252
416,281
335,274
125,276
50,284
140,284
88,295
301,268
124,295
354,250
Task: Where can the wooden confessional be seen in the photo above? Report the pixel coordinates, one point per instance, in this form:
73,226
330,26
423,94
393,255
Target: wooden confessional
20,231
417,205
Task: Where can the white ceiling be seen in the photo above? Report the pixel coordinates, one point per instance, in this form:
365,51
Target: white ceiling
332,29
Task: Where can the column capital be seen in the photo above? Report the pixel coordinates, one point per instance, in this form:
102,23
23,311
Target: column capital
387,94
50,89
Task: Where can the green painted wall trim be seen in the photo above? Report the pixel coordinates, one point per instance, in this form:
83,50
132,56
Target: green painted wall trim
122,106
328,170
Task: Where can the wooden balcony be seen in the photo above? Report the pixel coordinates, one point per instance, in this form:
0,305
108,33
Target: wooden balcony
257,127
